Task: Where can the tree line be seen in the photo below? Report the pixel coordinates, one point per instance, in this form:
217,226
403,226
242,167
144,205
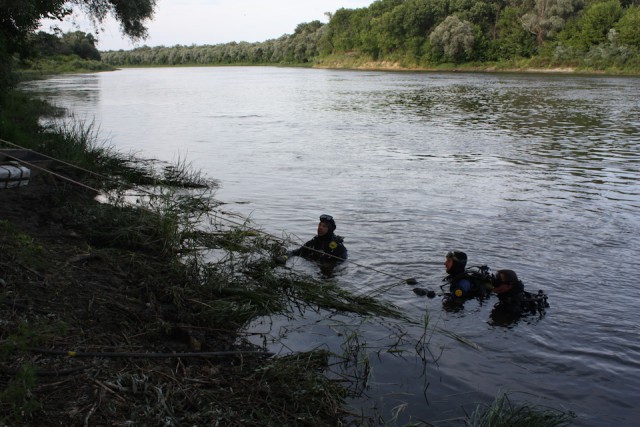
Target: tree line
423,33
301,47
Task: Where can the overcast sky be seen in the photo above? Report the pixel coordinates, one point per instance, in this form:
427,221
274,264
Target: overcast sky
200,22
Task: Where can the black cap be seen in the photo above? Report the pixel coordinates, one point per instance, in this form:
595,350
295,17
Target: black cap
329,220
507,276
458,257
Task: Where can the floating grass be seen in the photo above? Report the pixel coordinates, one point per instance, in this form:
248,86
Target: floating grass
504,412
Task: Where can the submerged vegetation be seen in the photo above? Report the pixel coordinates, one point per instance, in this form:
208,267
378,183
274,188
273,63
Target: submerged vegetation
503,412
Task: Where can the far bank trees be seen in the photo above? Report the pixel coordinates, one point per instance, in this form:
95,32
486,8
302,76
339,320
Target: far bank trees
424,33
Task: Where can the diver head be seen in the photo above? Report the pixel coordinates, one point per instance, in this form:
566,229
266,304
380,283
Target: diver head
326,226
455,262
508,277
507,282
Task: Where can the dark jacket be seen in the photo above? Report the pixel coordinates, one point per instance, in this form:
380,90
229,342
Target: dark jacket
325,248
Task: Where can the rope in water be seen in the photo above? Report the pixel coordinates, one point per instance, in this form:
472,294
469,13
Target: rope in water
218,214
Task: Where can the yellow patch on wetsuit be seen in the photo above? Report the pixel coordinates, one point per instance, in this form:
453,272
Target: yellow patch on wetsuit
333,245
458,292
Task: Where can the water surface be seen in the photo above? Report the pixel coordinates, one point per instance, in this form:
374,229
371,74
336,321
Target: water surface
536,173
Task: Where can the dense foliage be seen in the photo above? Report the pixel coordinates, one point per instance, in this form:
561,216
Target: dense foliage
301,47
20,18
78,43
598,34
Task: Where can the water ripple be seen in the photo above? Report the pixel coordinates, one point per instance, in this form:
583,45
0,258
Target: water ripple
533,173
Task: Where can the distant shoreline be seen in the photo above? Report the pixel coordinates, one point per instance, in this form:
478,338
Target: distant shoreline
394,66
385,66
43,68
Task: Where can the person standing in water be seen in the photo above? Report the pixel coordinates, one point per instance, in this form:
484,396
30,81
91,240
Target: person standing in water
326,246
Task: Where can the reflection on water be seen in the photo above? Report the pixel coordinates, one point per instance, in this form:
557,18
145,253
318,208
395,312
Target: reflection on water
81,90
533,173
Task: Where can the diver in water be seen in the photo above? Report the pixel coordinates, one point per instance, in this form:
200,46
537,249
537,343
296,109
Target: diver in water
513,300
460,285
326,246
510,291
464,283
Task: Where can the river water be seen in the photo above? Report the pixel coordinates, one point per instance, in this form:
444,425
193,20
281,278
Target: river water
535,173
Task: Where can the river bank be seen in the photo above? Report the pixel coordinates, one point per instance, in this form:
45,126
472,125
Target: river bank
396,66
353,61
43,68
96,335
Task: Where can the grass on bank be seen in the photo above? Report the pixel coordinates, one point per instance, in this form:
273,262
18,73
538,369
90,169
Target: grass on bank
41,67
